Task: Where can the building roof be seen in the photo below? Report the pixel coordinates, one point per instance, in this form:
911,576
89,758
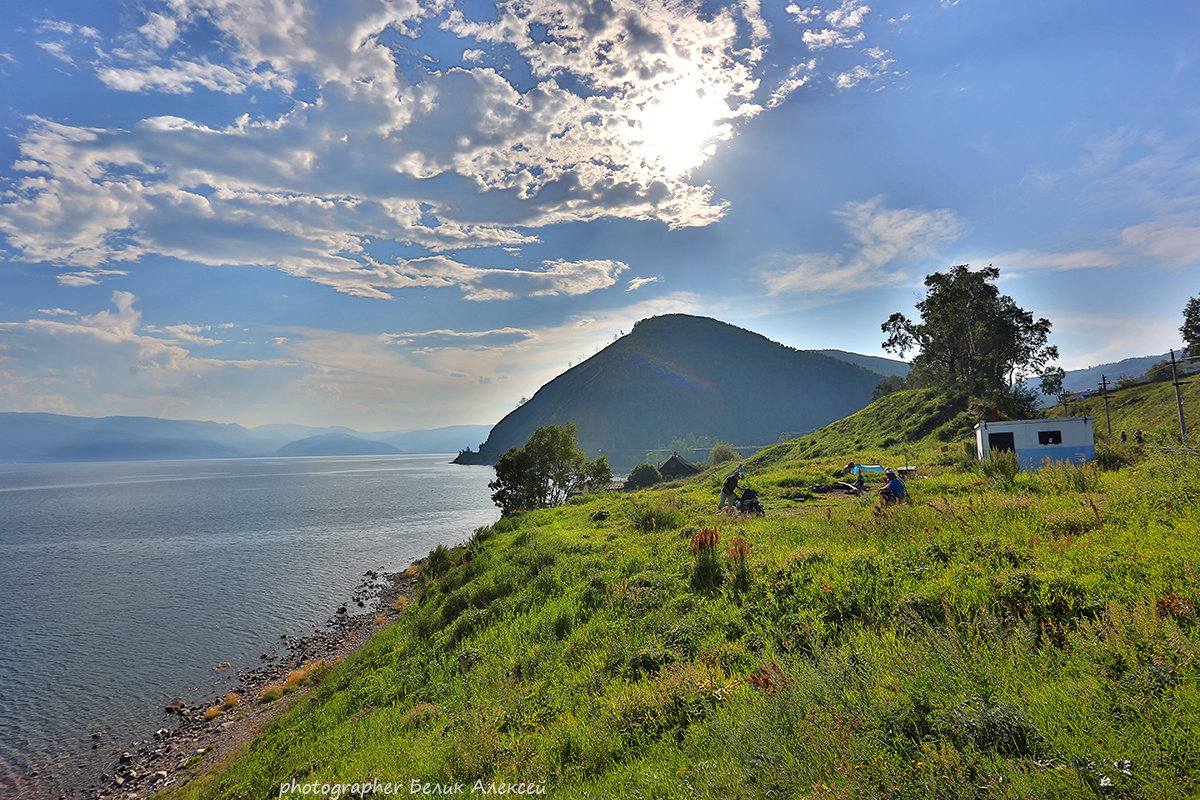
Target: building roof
677,465
1047,421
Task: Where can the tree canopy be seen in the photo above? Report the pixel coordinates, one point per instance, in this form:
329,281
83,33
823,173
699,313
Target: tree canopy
722,452
546,471
971,338
644,475
1191,326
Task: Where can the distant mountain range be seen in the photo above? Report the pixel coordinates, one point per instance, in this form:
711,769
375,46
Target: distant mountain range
32,437
679,375
1088,379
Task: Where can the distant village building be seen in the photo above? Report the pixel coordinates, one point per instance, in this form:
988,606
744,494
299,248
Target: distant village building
1037,441
677,467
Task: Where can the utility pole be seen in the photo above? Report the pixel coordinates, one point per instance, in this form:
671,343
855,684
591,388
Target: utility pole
1104,391
1178,400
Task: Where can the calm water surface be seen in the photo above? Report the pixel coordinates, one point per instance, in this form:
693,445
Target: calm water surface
122,584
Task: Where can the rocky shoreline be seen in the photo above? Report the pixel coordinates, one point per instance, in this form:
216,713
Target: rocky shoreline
191,742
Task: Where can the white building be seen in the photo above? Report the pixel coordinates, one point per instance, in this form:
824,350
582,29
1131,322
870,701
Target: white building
1037,441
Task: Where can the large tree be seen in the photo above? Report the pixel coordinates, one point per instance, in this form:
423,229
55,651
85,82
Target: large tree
1191,326
971,338
546,471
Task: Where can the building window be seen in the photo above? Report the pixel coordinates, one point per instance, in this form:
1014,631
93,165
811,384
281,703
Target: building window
1049,437
1001,442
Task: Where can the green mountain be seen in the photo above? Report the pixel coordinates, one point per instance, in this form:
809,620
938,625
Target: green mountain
884,366
678,375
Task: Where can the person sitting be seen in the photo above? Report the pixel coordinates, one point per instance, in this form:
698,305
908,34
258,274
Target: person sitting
729,491
894,491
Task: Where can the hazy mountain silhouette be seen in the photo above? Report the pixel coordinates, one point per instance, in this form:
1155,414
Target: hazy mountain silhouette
34,437
336,444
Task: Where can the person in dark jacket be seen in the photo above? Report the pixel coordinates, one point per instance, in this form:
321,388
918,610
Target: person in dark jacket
729,491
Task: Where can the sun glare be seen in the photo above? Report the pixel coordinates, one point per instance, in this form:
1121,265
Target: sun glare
678,127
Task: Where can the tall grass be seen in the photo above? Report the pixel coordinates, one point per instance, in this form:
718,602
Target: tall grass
978,643
1001,468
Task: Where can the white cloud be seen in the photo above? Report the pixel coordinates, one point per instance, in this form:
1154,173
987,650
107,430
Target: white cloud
845,25
1126,334
160,30
836,35
638,283
180,77
1171,242
112,361
797,76
68,29
630,96
881,241
71,34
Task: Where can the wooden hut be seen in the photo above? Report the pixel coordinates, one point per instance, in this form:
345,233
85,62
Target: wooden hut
677,467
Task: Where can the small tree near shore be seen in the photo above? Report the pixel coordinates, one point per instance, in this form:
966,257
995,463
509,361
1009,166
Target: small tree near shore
546,471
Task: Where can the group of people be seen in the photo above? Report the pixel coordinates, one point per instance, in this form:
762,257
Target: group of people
893,491
1138,438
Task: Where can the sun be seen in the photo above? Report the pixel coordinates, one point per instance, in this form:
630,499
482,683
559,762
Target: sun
677,127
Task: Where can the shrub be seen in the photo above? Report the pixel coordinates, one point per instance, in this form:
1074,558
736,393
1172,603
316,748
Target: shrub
644,475
737,551
1111,455
419,715
1001,468
564,623
993,727
707,574
655,515
1063,477
722,452
439,561
1070,522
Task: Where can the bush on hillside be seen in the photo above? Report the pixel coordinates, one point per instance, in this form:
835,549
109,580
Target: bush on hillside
1000,467
722,452
1112,454
644,475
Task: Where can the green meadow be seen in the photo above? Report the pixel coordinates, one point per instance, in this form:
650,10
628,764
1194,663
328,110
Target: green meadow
1001,635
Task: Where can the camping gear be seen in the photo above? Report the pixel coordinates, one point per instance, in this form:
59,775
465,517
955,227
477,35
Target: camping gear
748,503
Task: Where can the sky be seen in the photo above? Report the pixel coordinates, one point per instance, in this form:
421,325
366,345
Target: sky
399,215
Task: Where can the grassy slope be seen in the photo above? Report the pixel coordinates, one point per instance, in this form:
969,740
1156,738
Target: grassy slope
1030,642
1150,407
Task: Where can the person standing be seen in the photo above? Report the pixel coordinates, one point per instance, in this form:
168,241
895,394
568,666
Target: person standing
729,490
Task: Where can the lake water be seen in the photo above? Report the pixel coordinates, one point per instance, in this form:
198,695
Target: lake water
122,584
